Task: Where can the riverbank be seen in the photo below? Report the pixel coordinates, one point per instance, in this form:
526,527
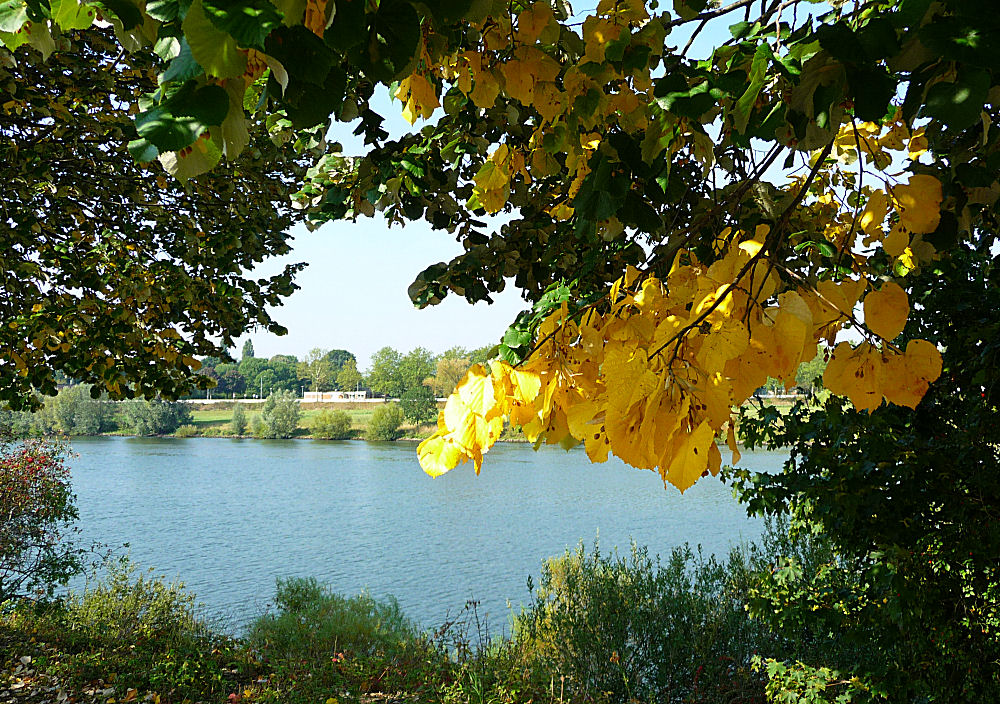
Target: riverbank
133,637
215,420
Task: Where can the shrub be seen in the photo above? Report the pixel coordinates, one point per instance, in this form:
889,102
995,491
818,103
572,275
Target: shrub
37,511
258,428
317,641
186,431
309,621
126,605
331,425
73,411
385,422
637,629
238,423
418,405
280,414
156,417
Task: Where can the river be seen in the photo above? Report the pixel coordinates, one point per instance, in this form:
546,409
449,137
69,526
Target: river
229,516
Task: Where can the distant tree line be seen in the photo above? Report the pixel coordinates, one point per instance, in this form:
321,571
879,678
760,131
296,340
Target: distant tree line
392,373
73,411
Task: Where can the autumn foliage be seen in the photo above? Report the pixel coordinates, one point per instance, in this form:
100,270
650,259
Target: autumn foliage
37,511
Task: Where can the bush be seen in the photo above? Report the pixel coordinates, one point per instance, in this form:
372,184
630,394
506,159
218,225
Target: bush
331,425
625,629
130,629
418,405
186,431
74,412
127,605
37,511
317,641
280,414
156,417
238,423
385,422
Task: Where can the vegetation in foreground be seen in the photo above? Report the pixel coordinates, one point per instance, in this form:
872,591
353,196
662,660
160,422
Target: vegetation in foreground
599,628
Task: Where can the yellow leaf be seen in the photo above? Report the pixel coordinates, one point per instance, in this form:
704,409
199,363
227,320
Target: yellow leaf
855,373
733,445
476,392
533,21
919,203
923,360
874,214
486,90
690,460
438,454
886,311
419,96
895,244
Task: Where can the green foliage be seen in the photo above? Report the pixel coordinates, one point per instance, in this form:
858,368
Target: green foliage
310,622
385,421
383,377
155,417
247,350
186,431
331,425
127,604
37,516
280,414
418,405
145,291
238,423
908,499
131,630
349,378
624,629
73,411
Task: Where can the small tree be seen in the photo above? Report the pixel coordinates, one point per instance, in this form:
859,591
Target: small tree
385,422
331,425
37,510
238,423
418,405
281,414
247,350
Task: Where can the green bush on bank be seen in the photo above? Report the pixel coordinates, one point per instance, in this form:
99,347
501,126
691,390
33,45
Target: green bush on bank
635,628
128,631
385,421
331,425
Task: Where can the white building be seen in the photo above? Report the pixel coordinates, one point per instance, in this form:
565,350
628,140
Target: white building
333,396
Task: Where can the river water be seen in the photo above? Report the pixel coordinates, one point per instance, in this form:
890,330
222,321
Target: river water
229,516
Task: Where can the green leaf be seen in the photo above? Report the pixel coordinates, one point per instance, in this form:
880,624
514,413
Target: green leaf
839,39
962,40
871,88
350,26
127,13
71,14
247,21
755,78
183,68
823,247
392,41
181,118
164,10
304,55
13,15
960,103
214,49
